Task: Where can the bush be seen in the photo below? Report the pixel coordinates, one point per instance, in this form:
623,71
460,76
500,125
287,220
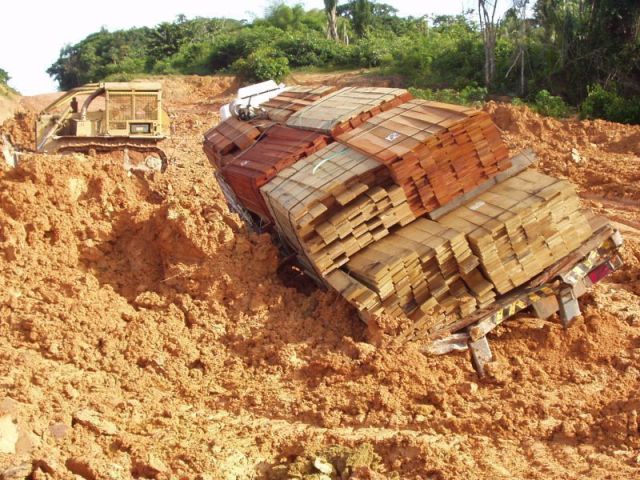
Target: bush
547,104
4,77
308,49
261,65
191,58
372,52
448,55
609,105
469,95
228,48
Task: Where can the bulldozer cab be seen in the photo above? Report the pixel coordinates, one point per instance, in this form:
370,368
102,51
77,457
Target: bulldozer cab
130,110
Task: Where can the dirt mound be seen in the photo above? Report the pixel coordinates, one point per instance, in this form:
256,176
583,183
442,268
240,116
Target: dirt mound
8,104
601,158
145,334
20,130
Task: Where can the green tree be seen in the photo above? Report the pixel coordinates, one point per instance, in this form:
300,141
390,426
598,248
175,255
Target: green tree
290,18
360,12
4,76
589,42
99,55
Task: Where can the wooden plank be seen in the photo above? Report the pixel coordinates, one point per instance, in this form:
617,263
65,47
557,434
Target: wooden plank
441,152
520,226
334,204
346,108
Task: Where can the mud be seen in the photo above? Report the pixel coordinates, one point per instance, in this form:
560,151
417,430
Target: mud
145,334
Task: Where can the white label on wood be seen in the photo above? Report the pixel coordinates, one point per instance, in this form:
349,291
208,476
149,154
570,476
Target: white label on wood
476,205
392,136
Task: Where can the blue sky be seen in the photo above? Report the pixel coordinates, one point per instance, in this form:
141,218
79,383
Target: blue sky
33,32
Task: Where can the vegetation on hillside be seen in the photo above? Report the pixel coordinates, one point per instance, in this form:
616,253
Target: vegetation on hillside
4,80
557,54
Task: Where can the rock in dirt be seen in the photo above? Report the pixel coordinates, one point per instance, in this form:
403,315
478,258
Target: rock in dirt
91,419
149,467
468,388
323,466
18,472
575,156
8,152
47,465
82,468
58,430
8,435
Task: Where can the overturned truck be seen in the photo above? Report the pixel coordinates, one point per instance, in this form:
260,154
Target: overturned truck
410,208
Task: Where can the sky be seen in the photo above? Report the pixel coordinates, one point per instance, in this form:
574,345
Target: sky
33,32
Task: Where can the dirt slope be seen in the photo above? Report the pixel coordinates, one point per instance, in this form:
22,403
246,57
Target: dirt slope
143,333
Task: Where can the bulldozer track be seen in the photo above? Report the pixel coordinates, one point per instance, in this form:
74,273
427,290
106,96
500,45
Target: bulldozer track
142,146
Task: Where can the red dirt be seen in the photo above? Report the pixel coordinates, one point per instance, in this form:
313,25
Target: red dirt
144,301
20,130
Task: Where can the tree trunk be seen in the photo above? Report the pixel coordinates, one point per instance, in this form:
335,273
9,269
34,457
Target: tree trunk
487,14
330,8
523,38
345,35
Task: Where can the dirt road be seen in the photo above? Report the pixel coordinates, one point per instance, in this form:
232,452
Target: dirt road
144,333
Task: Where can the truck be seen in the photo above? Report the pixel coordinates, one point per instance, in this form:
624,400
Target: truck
409,209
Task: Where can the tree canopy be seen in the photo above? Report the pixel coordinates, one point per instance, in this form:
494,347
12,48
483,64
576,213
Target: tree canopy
4,77
571,48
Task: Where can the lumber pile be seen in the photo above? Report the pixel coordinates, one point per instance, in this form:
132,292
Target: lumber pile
281,107
356,293
334,203
228,138
277,148
521,226
420,269
435,151
416,209
347,108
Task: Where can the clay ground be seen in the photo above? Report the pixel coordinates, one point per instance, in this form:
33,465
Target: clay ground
144,333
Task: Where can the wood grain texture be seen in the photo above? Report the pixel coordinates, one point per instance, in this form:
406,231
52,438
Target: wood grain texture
281,107
228,138
334,203
423,270
521,226
276,149
347,108
435,151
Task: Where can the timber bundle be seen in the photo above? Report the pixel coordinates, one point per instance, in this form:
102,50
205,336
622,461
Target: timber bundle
404,206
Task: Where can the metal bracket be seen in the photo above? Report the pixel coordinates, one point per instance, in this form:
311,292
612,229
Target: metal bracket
617,239
545,307
568,306
480,354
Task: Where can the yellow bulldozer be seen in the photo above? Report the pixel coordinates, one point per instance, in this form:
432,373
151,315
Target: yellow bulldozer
108,117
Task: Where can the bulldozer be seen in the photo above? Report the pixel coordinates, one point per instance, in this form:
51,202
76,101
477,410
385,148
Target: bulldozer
113,116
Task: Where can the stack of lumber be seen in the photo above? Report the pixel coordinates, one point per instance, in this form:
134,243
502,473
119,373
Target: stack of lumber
356,293
421,268
334,203
521,226
281,107
228,138
347,108
435,151
277,148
